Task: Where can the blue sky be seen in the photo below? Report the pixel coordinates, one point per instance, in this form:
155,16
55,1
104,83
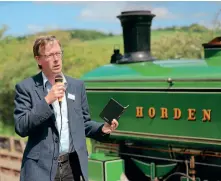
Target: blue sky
30,17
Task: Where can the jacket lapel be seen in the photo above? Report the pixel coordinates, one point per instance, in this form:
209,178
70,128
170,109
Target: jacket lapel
39,88
42,92
70,103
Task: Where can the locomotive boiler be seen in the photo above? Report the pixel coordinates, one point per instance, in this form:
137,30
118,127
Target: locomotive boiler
172,127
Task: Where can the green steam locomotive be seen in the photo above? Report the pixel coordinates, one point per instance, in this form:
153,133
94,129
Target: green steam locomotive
171,130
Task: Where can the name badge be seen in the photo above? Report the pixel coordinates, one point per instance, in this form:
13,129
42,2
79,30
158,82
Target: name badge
71,96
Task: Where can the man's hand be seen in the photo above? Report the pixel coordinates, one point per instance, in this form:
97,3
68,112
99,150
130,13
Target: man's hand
107,128
56,92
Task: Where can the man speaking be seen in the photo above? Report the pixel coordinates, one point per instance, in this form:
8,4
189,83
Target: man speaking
52,110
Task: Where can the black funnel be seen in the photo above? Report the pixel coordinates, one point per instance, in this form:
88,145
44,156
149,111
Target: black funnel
137,36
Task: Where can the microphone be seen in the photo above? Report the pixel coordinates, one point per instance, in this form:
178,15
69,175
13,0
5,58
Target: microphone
59,79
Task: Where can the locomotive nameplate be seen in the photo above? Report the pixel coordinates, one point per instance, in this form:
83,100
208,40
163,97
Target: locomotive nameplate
177,113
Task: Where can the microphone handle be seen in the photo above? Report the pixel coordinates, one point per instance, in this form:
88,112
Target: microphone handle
60,98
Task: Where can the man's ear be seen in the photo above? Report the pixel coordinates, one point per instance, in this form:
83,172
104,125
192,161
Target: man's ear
37,58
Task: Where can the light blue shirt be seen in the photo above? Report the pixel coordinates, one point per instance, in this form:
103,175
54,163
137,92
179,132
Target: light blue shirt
63,127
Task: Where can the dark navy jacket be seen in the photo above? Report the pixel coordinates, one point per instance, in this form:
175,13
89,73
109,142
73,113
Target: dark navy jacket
35,118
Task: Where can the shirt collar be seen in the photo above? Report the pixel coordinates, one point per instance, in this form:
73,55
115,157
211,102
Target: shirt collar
45,79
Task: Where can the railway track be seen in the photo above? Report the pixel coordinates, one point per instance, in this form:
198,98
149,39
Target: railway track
11,151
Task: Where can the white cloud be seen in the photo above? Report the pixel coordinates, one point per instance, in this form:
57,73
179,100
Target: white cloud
101,11
107,11
163,13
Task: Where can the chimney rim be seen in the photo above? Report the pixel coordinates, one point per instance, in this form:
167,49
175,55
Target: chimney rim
136,12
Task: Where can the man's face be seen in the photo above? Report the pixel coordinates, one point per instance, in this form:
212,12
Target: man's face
51,58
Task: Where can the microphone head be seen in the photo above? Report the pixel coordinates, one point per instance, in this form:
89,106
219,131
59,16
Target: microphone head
58,78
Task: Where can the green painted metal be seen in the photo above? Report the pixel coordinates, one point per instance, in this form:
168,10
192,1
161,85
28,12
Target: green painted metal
212,53
102,157
154,70
184,73
212,56
182,130
152,170
95,170
105,168
114,170
186,179
148,84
